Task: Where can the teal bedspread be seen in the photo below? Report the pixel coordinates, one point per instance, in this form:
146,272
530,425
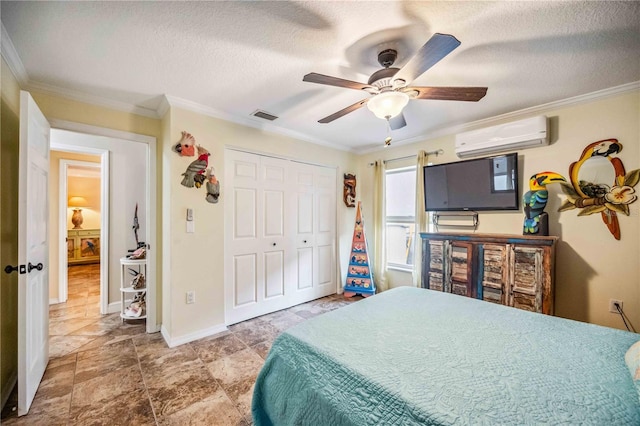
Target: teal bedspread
414,356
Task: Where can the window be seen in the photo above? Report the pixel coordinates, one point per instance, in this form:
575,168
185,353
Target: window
400,217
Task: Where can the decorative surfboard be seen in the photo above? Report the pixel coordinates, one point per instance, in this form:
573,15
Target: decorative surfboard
359,277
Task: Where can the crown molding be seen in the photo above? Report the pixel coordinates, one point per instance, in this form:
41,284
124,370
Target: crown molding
267,127
12,58
164,107
91,99
523,113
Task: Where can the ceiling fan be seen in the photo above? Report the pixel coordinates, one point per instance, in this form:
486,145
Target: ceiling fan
390,88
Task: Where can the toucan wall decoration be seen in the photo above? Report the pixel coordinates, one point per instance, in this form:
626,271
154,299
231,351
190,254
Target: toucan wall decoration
600,184
536,221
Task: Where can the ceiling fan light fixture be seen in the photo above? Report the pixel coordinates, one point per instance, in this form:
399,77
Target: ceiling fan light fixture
388,104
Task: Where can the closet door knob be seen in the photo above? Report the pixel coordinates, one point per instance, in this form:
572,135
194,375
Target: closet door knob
274,244
304,241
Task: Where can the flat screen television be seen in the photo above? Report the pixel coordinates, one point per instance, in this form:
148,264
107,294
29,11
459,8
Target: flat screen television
489,183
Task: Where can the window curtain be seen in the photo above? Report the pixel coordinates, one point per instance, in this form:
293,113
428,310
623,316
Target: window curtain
379,227
421,218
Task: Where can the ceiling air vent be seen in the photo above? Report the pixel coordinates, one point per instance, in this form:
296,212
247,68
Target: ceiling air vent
264,115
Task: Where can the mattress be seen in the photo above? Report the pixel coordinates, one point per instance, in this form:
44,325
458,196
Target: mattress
413,356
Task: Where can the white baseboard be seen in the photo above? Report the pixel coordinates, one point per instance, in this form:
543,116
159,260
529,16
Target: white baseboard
7,388
172,342
54,301
113,307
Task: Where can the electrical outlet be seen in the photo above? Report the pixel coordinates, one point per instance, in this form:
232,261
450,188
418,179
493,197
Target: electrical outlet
191,297
612,305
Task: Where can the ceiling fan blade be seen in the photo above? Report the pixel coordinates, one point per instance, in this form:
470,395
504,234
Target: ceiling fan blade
397,122
471,94
344,111
438,46
335,81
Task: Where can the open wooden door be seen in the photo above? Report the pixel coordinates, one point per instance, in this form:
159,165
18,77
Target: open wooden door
33,251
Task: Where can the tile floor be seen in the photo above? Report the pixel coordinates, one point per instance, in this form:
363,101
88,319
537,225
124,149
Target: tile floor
102,371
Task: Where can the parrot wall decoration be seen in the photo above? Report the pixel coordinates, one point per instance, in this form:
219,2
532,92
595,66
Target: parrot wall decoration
213,187
535,200
194,175
198,172
185,147
601,197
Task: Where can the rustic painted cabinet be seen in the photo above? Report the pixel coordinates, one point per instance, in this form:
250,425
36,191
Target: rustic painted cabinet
510,270
83,246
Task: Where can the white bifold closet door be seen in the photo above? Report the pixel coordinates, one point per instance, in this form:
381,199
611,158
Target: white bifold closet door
279,234
314,233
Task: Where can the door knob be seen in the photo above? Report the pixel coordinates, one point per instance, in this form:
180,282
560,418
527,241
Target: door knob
39,266
274,244
304,241
9,269
21,268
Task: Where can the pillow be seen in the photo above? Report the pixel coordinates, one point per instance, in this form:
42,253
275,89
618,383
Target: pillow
632,358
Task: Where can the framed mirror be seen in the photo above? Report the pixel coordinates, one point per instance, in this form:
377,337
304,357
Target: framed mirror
599,184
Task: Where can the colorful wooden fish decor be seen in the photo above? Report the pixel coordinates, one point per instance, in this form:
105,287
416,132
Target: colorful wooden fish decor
536,221
600,184
359,277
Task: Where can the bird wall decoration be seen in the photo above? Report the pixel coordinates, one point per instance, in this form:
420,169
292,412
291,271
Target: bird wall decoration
194,175
185,147
535,200
601,197
213,187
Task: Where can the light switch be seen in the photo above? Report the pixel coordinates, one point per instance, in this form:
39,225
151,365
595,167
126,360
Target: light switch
190,215
191,227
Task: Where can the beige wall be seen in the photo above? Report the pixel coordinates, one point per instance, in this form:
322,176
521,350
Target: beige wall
9,125
54,213
196,261
89,189
591,266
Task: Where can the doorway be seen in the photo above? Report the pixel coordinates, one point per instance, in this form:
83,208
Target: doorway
128,188
77,200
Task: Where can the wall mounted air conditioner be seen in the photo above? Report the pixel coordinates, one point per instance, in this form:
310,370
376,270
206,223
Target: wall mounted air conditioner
527,133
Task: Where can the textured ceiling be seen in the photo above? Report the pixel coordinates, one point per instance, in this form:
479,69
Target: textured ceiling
232,58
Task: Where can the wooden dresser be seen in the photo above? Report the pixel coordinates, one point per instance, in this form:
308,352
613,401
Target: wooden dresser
512,270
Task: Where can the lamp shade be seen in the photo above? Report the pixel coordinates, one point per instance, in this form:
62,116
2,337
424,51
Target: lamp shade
388,104
77,202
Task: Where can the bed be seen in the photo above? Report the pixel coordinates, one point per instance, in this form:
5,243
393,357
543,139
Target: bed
415,356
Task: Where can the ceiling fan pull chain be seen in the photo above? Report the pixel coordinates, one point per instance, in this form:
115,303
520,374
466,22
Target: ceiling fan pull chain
387,140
